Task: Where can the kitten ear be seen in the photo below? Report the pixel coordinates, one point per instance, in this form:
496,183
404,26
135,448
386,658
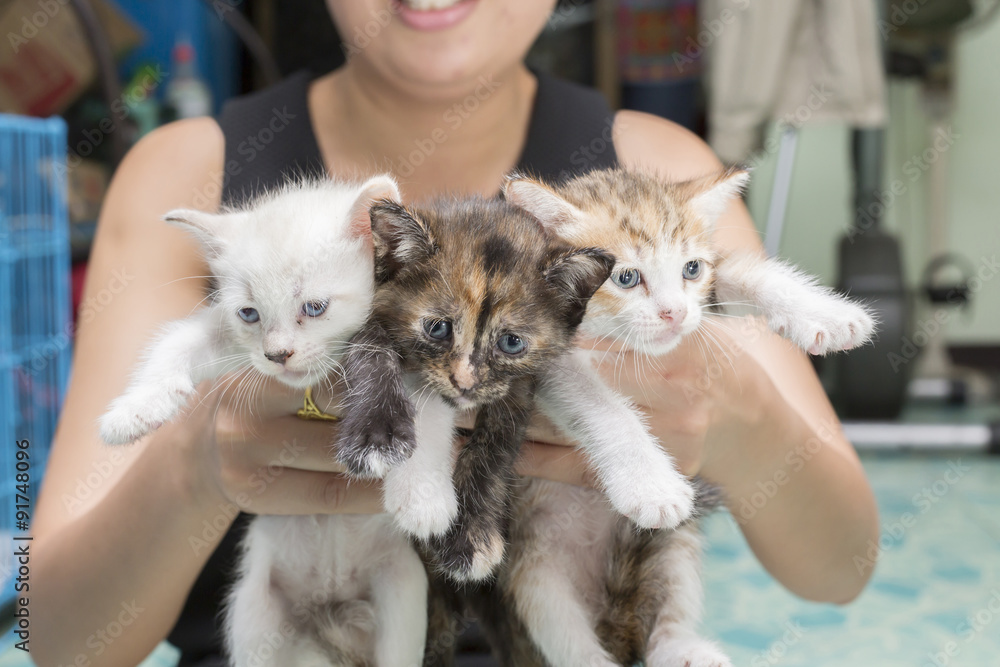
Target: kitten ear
373,190
576,274
555,213
209,228
399,237
710,196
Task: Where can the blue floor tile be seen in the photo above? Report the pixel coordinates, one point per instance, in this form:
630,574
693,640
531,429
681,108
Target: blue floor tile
929,601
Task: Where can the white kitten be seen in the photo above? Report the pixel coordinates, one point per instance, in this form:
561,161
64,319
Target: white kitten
295,276
294,281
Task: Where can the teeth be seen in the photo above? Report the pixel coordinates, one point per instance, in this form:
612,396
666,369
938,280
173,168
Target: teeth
427,5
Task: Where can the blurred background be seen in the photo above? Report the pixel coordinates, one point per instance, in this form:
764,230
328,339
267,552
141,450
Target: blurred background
872,127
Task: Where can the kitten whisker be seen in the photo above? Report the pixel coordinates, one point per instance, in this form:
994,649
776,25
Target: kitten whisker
175,280
723,304
719,342
210,295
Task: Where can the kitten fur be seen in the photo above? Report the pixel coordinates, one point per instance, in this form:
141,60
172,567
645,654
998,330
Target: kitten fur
306,243
340,591
460,282
581,586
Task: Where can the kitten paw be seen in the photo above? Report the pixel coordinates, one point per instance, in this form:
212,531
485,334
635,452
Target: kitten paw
467,556
830,325
421,507
134,415
656,497
693,652
124,425
373,439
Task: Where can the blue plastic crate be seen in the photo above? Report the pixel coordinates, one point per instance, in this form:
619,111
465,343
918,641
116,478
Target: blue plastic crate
35,304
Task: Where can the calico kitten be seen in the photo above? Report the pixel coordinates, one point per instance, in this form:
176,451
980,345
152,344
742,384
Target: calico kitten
581,586
477,303
294,273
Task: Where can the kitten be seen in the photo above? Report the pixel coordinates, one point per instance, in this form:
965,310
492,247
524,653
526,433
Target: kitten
295,276
293,284
581,586
476,303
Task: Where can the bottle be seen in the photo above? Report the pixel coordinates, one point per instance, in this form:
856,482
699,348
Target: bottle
187,94
140,100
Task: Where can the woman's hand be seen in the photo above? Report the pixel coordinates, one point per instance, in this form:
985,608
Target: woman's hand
733,405
256,454
696,399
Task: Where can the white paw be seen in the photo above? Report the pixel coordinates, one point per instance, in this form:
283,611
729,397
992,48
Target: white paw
656,496
135,414
421,506
828,324
693,652
125,423
484,562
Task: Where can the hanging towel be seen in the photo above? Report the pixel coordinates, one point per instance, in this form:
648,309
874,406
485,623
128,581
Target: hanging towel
795,61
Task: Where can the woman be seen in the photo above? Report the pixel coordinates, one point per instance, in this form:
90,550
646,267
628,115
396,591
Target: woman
444,100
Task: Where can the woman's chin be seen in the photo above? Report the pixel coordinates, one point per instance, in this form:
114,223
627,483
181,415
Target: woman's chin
442,66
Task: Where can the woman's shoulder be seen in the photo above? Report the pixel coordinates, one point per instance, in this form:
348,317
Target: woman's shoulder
198,139
650,143
183,149
177,165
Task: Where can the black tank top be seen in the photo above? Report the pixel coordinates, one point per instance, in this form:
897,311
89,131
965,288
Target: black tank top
269,136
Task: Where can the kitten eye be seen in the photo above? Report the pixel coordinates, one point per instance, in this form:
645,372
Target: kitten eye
692,269
437,329
314,308
249,315
626,278
511,344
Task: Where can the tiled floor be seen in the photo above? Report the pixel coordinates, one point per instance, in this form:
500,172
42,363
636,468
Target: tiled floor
936,588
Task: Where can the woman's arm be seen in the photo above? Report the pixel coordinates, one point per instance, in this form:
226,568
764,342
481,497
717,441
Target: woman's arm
124,529
758,420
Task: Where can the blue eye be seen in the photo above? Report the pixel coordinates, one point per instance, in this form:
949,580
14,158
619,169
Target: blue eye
314,308
437,329
249,315
692,269
510,344
626,278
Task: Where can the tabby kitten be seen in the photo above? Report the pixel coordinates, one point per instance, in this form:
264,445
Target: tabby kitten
476,303
581,586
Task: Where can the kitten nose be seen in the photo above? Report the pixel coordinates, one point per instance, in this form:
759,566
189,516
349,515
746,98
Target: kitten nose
676,314
463,384
463,376
278,357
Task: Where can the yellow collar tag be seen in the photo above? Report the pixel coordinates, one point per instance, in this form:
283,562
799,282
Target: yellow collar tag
311,412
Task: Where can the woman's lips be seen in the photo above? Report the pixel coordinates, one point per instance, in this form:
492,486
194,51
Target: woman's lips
434,19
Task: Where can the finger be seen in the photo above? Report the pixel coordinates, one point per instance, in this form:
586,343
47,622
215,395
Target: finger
291,441
542,430
288,491
555,463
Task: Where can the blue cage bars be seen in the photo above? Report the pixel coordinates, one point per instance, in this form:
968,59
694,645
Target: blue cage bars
35,303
